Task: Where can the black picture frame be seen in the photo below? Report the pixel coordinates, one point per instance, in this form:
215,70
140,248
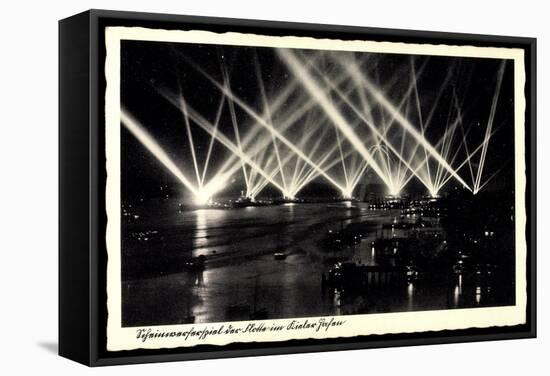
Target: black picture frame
82,176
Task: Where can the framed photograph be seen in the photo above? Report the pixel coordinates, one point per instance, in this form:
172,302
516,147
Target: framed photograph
240,187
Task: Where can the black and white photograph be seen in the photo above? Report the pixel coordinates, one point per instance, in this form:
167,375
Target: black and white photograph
275,188
305,187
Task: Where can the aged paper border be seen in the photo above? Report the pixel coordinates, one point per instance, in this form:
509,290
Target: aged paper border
119,338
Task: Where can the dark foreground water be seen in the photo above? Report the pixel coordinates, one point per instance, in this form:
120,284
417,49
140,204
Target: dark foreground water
243,281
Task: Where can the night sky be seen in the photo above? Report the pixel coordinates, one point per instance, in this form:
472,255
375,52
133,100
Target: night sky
148,67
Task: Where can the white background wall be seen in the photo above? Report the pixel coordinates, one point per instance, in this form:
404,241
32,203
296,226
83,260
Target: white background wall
28,161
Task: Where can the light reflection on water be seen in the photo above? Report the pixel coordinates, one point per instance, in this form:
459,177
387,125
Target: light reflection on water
478,294
242,277
205,219
410,296
457,291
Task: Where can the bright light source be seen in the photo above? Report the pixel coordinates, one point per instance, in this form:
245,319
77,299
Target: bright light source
347,194
224,140
206,192
154,148
394,192
263,122
284,140
315,90
201,198
478,184
434,193
403,121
